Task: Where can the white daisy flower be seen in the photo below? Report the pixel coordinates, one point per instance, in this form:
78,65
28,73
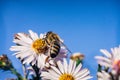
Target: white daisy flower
103,75
66,72
30,47
111,60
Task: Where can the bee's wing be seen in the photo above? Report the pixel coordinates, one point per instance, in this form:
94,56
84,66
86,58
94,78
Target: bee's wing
66,47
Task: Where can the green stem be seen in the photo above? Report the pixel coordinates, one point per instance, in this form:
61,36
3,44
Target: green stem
19,77
78,62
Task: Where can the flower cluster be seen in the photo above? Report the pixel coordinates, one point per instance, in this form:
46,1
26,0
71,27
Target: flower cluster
109,64
44,57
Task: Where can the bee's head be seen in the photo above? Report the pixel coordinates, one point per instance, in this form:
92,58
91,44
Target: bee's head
49,32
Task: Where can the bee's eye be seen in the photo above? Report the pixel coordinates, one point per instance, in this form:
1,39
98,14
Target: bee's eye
49,32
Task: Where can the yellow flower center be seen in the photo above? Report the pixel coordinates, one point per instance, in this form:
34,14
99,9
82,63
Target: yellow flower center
66,77
39,46
116,63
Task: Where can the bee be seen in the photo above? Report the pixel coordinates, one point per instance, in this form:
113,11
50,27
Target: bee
54,42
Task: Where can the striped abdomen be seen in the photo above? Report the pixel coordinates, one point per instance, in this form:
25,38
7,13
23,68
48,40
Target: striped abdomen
54,49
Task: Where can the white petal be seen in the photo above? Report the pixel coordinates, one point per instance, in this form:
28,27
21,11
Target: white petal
60,66
34,61
21,42
56,70
85,78
28,59
24,38
18,48
33,35
41,61
65,66
54,74
70,66
24,54
106,53
77,69
103,59
82,72
42,36
103,75
74,66
99,74
43,74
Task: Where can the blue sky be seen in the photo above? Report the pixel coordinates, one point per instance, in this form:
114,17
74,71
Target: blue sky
85,25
